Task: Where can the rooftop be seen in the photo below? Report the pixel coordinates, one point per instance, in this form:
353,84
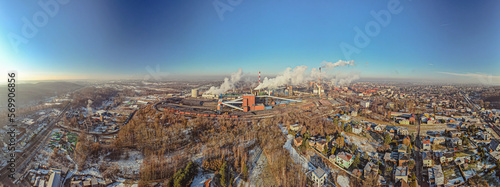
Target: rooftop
401,171
345,156
319,172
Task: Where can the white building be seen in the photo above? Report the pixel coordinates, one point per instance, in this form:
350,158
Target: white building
436,176
365,104
318,176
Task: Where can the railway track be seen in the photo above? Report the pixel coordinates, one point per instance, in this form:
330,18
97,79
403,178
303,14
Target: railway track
22,159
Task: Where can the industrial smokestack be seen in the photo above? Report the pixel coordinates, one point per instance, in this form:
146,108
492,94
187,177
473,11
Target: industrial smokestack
319,87
259,77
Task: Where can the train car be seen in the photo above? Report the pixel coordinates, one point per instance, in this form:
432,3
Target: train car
234,116
211,115
206,115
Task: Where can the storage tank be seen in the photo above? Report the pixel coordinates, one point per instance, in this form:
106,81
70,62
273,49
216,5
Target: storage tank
194,93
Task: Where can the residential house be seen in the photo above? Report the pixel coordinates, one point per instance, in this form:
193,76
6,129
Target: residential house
344,159
297,141
370,169
455,141
427,159
318,176
295,127
454,133
379,128
364,104
356,172
436,176
404,158
401,173
495,145
391,129
445,157
426,145
345,118
402,148
485,136
495,155
389,158
403,131
321,145
438,140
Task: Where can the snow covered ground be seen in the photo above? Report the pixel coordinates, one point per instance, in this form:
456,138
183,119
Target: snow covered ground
469,173
343,181
132,164
120,183
257,170
362,143
94,171
43,156
296,157
452,182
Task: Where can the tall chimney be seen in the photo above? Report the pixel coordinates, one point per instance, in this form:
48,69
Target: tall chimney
259,77
319,87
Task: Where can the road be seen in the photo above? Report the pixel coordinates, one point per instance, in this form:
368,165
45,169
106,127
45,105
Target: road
418,158
487,121
34,146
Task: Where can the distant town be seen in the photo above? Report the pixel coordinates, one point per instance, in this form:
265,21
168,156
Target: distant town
179,133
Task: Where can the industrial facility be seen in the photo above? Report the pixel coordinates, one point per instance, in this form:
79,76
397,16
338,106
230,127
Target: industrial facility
246,100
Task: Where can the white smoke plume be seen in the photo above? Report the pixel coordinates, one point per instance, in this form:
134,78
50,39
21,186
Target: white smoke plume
297,75
329,65
290,76
227,84
344,79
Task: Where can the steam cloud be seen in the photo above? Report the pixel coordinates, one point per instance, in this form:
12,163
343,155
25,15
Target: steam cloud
329,65
344,79
297,76
290,76
227,85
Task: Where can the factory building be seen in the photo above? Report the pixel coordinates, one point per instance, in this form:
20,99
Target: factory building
248,102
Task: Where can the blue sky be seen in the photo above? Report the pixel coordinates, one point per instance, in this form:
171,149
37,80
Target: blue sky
443,40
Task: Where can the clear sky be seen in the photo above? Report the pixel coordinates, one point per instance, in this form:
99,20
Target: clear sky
445,40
